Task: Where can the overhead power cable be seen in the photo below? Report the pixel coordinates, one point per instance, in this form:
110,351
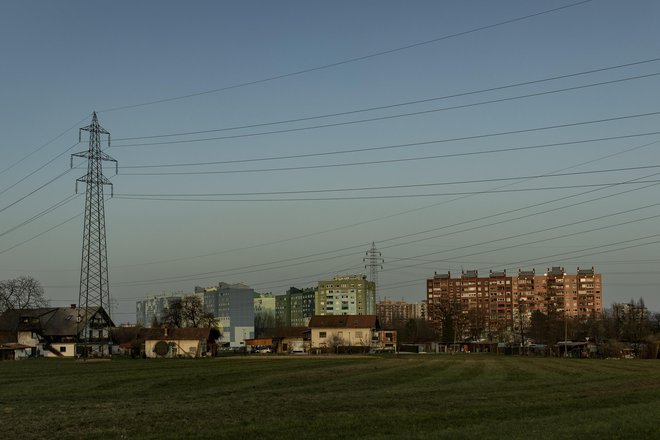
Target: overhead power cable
499,222
384,187
401,104
547,259
542,240
263,266
375,162
39,169
624,242
250,268
40,234
43,146
390,196
15,202
350,60
375,119
408,211
289,262
446,140
40,214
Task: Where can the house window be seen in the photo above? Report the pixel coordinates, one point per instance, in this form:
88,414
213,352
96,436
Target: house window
322,334
62,349
358,334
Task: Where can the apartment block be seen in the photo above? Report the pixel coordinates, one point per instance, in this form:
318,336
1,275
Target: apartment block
154,308
496,302
233,306
390,312
296,307
346,295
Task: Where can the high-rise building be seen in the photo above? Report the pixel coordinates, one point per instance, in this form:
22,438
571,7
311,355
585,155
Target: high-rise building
233,307
153,309
496,303
264,310
392,312
346,295
296,307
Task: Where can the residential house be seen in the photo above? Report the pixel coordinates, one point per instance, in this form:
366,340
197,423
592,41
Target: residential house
337,333
55,331
177,342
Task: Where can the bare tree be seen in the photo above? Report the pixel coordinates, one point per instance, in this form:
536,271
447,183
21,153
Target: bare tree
174,316
21,293
192,311
188,312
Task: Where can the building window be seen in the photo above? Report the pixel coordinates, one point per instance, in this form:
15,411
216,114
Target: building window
322,334
62,349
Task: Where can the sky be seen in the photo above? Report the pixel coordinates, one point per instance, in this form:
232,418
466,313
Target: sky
271,143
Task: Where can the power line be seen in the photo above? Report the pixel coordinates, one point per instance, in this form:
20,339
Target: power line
38,169
408,211
375,119
383,187
40,234
389,196
40,214
436,141
533,214
15,202
250,268
375,162
294,261
598,247
546,258
349,60
436,204
42,146
544,230
406,103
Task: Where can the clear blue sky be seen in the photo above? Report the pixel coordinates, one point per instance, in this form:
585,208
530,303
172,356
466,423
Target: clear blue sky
63,60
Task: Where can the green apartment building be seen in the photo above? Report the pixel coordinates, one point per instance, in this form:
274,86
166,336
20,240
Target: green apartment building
346,295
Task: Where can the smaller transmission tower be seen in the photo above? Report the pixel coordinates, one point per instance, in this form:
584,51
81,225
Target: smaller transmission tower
94,294
374,262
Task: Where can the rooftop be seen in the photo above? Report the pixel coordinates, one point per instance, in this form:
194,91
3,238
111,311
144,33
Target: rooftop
344,321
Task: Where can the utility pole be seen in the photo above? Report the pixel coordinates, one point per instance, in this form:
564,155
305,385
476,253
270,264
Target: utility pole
94,293
374,262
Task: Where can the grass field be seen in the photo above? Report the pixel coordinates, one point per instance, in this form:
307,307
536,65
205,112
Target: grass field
409,396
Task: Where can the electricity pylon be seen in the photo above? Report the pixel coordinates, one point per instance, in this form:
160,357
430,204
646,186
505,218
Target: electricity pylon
94,293
374,262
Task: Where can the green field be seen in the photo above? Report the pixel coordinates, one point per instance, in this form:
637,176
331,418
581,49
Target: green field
408,396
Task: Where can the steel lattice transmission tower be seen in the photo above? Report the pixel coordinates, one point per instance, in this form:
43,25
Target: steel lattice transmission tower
94,285
374,262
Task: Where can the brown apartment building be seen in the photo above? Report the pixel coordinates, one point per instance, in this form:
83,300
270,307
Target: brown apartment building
391,312
497,302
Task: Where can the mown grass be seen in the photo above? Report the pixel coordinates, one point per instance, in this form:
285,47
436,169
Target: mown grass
395,397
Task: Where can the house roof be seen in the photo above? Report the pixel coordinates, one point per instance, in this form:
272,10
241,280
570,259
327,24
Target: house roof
13,346
344,321
49,321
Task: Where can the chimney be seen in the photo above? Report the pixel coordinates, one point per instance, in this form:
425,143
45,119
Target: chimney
165,331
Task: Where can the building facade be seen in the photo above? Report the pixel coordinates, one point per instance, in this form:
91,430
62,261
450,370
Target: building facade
233,306
499,303
296,307
57,331
346,295
391,312
264,311
154,308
